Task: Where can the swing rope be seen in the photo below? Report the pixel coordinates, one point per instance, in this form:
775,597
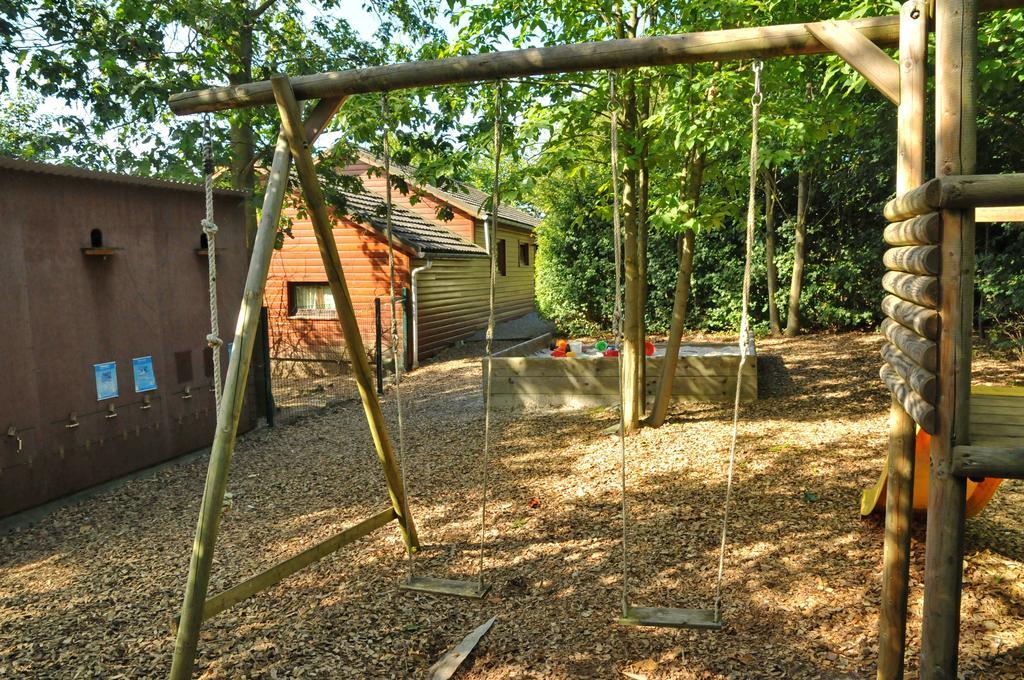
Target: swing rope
744,336
389,207
617,323
210,229
395,340
489,343
744,340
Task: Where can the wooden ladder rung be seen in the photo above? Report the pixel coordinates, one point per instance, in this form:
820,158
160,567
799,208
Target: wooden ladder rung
670,617
989,461
443,586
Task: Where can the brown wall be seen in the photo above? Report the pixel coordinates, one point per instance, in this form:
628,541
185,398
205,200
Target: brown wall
64,312
453,293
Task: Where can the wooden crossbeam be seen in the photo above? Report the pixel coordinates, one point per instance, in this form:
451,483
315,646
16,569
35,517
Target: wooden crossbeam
921,411
1009,213
723,45
736,43
916,231
921,320
958,191
919,379
987,461
282,570
863,55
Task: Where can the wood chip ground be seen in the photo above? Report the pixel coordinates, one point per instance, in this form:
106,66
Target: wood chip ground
89,591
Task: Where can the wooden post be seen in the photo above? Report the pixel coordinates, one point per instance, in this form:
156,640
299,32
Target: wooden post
323,226
899,506
956,46
231,405
227,419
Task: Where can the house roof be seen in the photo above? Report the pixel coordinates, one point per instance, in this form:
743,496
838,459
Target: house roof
8,163
409,228
467,197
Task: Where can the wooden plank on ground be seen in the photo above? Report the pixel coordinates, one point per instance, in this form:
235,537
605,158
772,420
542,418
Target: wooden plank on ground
450,662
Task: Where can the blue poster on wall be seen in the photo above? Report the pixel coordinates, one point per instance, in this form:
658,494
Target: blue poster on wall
145,377
106,380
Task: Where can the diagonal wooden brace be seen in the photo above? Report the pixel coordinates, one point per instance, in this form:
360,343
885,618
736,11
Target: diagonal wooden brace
323,226
863,55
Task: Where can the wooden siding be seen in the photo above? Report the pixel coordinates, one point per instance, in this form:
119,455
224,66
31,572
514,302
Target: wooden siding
453,293
364,258
425,206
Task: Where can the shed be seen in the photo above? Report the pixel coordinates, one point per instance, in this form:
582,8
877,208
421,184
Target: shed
444,265
103,359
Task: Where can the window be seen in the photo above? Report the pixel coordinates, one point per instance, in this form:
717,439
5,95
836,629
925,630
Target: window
501,258
524,254
310,300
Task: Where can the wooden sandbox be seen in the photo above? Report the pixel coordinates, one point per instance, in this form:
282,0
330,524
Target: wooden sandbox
525,375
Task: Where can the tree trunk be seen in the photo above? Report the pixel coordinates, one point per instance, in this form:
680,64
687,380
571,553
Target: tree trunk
681,301
242,136
769,251
643,231
632,349
799,254
680,305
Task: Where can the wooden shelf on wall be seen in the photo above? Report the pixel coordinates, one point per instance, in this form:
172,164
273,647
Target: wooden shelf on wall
100,252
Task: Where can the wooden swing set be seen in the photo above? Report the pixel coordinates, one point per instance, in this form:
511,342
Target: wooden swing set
932,263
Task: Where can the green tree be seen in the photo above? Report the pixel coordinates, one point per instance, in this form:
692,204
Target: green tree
120,59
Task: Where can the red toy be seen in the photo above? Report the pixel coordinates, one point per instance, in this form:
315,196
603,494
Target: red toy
649,348
558,353
611,352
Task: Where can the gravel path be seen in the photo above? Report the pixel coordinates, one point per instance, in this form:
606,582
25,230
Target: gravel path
88,592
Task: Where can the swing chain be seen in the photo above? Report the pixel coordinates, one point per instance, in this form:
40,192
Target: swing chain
757,98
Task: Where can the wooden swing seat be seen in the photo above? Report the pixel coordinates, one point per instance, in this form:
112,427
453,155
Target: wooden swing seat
670,617
443,586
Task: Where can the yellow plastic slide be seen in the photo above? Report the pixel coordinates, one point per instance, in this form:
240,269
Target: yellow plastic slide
997,419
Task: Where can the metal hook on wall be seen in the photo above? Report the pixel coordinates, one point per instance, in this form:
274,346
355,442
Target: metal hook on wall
13,433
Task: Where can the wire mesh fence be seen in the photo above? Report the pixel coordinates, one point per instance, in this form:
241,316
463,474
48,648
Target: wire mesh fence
310,365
